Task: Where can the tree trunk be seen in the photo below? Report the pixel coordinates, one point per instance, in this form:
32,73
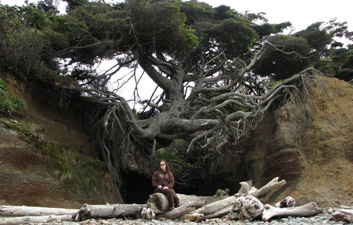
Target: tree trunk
109,211
34,211
35,219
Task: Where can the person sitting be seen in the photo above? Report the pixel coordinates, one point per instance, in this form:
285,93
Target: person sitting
163,181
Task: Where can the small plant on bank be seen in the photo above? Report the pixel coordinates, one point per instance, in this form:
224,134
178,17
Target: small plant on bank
9,103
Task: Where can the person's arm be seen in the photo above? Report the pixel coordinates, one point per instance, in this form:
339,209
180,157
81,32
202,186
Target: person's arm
155,182
171,180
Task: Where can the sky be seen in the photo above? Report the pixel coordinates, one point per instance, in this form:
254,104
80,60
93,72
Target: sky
301,13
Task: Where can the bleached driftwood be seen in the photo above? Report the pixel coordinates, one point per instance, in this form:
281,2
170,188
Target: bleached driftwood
310,209
186,208
147,214
197,217
7,210
244,188
216,206
219,213
246,207
345,215
286,202
35,219
158,202
264,193
109,211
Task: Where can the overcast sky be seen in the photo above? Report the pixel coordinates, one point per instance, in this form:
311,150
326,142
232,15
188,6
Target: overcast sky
301,13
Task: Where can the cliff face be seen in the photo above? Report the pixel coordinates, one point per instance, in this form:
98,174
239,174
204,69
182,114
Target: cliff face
309,145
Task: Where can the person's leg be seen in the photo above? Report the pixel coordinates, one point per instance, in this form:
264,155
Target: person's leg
169,194
175,198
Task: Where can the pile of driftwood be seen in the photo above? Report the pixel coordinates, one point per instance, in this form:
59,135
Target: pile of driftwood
246,204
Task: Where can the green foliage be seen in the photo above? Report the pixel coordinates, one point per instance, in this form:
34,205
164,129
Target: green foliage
237,36
77,173
149,26
172,155
317,38
9,103
286,56
24,48
340,64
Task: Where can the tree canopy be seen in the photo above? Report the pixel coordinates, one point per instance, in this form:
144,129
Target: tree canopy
214,66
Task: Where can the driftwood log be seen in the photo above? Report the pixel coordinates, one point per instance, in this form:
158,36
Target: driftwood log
109,211
246,208
34,211
158,202
310,209
264,193
345,215
186,208
35,219
26,214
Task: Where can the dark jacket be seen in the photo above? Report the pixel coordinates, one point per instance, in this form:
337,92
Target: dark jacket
158,177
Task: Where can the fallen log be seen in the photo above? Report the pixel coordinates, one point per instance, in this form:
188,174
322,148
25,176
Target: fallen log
109,211
216,206
186,208
6,210
35,219
345,215
158,202
219,213
265,192
310,209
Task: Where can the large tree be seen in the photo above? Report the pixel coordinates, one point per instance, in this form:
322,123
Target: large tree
197,55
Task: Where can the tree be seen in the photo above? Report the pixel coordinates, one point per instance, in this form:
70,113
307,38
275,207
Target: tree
206,54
